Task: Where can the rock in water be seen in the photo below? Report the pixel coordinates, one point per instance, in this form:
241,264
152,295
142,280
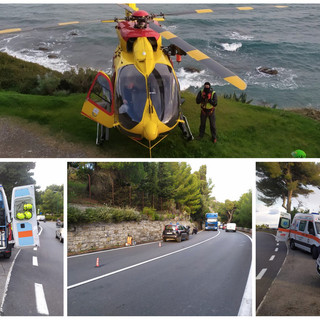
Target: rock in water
268,70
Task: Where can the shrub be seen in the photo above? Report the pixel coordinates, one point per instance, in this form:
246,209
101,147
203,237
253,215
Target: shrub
105,214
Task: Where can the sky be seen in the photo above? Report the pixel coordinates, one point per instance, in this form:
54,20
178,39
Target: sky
270,215
50,171
231,177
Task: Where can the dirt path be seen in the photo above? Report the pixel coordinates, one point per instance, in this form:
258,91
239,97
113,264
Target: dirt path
19,139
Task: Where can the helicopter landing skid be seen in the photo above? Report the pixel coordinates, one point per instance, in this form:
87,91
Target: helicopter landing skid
187,129
102,134
150,147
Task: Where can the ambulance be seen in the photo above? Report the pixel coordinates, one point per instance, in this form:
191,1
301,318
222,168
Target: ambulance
302,233
18,226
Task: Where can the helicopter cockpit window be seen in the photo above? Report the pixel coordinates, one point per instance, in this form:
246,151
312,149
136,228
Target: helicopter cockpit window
164,93
131,96
101,93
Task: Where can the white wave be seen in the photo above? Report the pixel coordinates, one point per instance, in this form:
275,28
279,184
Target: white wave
5,41
195,79
284,80
40,57
237,36
231,46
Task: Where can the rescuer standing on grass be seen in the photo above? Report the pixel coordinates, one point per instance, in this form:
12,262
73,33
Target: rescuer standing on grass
207,98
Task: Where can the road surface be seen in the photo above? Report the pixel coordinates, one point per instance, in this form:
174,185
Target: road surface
204,276
296,289
36,283
270,256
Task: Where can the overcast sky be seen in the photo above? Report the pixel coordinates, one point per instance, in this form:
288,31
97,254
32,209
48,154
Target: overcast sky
231,177
270,215
50,171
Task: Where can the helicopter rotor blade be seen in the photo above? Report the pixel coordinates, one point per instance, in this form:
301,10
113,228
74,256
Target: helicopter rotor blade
239,8
197,55
59,24
184,12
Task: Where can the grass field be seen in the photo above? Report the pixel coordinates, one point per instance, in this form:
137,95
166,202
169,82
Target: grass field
244,131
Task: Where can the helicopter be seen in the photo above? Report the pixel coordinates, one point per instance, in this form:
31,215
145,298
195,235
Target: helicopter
142,96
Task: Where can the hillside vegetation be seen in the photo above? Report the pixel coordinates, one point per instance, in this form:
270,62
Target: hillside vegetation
244,130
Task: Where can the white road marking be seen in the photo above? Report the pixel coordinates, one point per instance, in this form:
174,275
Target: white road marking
276,249
41,299
261,274
246,302
35,261
41,229
272,257
35,248
138,264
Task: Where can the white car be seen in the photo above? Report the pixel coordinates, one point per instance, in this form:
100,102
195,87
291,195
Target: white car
60,234
231,227
41,218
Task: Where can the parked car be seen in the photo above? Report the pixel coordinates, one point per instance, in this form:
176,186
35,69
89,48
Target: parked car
60,233
175,232
41,218
231,227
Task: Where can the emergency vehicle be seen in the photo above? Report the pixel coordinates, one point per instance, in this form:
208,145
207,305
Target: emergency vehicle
19,226
303,232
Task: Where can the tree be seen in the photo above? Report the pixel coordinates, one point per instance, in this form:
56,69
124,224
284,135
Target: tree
243,215
14,174
52,200
205,190
286,180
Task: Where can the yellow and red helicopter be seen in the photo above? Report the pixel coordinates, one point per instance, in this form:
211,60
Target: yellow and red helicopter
142,98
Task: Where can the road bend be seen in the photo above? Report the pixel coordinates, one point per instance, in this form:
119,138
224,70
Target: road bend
204,276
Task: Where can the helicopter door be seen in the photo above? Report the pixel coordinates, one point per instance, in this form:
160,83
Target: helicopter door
284,227
24,217
99,102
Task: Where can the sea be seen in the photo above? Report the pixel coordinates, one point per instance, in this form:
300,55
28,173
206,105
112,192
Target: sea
285,38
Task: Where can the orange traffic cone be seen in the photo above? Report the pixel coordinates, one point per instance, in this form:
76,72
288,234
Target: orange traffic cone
97,263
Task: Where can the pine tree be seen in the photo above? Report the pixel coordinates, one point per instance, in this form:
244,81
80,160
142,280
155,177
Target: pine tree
286,180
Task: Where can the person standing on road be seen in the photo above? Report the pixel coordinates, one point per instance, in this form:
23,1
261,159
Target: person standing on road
207,98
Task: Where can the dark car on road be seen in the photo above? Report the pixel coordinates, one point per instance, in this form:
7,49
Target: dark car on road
175,232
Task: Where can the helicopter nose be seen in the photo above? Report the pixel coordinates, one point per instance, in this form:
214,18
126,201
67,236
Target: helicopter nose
150,131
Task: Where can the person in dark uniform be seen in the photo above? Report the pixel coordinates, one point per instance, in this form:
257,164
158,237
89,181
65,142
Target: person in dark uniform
207,98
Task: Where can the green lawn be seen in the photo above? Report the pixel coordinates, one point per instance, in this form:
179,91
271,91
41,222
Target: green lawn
244,131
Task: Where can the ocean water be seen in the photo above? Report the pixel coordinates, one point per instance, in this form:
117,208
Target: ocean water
287,39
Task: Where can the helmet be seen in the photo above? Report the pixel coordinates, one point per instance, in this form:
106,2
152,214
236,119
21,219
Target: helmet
298,154
27,206
20,216
28,215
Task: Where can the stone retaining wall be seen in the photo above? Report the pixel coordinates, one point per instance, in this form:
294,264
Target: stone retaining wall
98,236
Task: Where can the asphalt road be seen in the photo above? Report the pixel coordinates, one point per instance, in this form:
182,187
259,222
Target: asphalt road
270,256
204,276
36,283
296,289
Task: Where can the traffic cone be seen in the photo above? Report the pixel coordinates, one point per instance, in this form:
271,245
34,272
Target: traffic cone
159,244
97,263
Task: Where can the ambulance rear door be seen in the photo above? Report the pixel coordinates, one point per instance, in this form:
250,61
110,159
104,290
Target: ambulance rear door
283,227
24,217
